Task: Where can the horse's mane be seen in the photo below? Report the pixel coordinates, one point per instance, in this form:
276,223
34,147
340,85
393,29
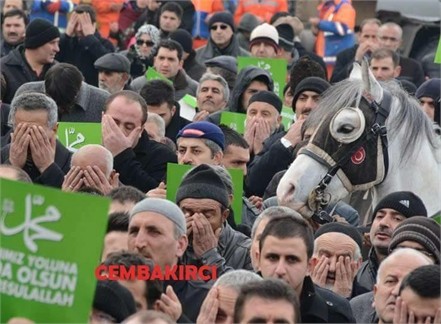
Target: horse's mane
405,113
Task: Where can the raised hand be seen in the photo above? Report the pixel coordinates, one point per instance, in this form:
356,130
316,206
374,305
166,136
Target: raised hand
42,148
204,239
18,150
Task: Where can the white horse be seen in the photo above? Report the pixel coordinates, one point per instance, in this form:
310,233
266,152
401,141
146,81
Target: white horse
346,145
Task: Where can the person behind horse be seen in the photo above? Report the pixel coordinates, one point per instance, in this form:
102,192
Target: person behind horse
389,212
385,64
428,95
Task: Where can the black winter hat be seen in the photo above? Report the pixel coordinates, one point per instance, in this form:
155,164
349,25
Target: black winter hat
39,32
114,300
315,84
203,182
342,228
286,35
269,97
431,88
422,230
405,202
222,17
184,38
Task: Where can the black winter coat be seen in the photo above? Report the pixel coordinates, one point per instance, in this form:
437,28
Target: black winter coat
144,166
83,52
17,71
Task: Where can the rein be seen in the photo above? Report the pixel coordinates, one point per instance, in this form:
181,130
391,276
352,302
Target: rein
318,199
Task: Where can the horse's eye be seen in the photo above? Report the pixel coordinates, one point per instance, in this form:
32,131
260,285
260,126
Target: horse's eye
345,129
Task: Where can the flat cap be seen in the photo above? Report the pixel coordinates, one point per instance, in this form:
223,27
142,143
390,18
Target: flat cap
113,62
224,61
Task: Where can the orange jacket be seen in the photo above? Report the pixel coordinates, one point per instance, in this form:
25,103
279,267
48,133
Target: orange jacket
263,9
105,15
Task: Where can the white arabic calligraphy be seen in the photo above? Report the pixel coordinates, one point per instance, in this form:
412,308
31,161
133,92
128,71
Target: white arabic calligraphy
80,139
52,214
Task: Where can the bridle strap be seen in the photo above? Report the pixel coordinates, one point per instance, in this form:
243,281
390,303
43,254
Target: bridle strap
378,129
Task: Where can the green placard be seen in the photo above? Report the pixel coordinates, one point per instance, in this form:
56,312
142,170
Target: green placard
437,217
190,100
75,135
234,120
287,117
276,67
152,74
48,253
175,173
438,53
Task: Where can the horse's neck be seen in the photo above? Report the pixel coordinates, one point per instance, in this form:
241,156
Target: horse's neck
420,174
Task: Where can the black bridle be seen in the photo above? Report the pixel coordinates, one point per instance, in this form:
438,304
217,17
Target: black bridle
318,198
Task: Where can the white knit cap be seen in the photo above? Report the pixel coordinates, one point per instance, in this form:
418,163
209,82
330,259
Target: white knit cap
265,31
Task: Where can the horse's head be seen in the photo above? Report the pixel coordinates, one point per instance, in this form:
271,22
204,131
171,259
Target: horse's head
347,149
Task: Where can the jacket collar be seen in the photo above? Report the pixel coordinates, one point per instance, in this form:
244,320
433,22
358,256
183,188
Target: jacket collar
312,305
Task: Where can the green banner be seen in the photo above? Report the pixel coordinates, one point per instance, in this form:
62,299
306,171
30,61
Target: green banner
152,74
276,67
48,253
234,120
176,172
438,53
287,117
75,135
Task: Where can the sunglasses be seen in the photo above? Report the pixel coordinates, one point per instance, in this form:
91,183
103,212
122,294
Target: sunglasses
216,27
148,43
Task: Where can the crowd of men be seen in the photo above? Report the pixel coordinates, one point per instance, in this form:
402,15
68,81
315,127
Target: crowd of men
374,265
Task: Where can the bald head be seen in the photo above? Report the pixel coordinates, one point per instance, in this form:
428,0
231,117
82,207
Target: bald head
94,154
13,173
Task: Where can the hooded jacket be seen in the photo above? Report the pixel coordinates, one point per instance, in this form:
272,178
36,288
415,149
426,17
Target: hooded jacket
244,79
211,50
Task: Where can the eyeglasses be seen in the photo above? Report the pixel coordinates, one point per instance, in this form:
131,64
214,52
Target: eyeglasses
216,27
148,43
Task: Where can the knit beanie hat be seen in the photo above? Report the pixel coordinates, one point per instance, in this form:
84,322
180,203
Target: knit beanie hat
184,38
205,130
422,230
248,22
269,97
39,32
405,202
342,228
222,17
204,183
315,84
114,300
163,207
286,35
265,33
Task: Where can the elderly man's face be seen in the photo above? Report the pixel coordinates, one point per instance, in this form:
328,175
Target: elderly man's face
112,81
211,96
153,236
211,209
221,34
263,111
333,246
387,288
194,151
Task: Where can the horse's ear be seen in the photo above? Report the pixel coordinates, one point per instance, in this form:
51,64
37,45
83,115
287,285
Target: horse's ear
370,84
